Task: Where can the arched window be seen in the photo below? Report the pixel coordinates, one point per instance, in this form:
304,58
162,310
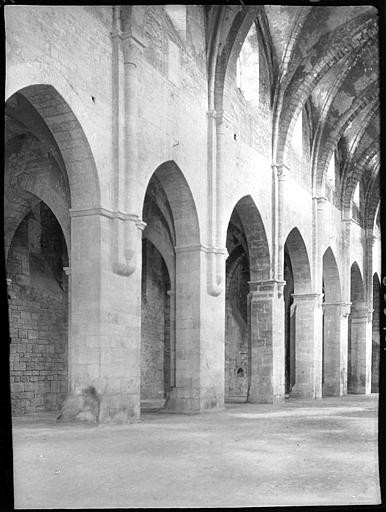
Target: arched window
247,68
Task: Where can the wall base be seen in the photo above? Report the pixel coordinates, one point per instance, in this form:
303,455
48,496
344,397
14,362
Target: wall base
181,400
89,407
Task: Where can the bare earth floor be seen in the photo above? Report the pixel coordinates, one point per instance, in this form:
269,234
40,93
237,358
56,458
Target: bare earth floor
320,452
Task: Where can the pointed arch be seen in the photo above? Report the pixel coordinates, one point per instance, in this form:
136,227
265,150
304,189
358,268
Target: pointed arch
71,140
332,362
180,198
357,292
300,262
331,278
256,237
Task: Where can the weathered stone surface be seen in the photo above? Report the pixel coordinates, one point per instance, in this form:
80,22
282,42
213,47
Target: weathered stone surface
138,130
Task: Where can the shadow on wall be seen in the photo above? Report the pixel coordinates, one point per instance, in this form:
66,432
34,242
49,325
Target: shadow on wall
38,313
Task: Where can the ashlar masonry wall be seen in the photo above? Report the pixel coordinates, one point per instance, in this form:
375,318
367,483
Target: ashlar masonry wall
155,325
38,315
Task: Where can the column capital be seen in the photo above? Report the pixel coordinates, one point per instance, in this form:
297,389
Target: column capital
110,214
344,307
371,239
133,40
320,199
211,114
321,202
266,288
300,298
282,170
141,225
361,311
171,293
202,248
67,271
9,281
217,115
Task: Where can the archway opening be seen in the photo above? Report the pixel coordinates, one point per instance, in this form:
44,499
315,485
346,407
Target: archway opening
155,326
331,354
171,222
375,352
289,324
356,332
236,312
298,305
37,236
158,286
38,313
248,263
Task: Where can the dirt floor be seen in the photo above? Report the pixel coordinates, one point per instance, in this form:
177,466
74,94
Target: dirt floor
321,452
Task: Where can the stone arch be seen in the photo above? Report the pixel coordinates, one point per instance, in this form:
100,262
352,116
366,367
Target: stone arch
152,233
331,330
256,238
349,153
300,263
369,158
358,370
247,265
155,325
301,321
333,130
231,41
293,97
357,293
35,192
372,200
331,278
33,169
71,141
38,312
173,228
181,201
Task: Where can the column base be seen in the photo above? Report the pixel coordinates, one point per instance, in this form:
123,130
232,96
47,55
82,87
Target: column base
265,398
359,385
193,401
332,389
88,406
303,393
358,390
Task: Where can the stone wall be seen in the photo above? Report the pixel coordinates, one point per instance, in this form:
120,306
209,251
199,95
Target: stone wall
237,336
236,333
108,140
289,323
375,336
155,325
37,314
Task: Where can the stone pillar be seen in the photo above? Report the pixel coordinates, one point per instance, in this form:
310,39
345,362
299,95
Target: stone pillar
67,271
335,348
280,172
360,372
370,241
308,343
200,322
344,314
172,295
105,325
266,379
